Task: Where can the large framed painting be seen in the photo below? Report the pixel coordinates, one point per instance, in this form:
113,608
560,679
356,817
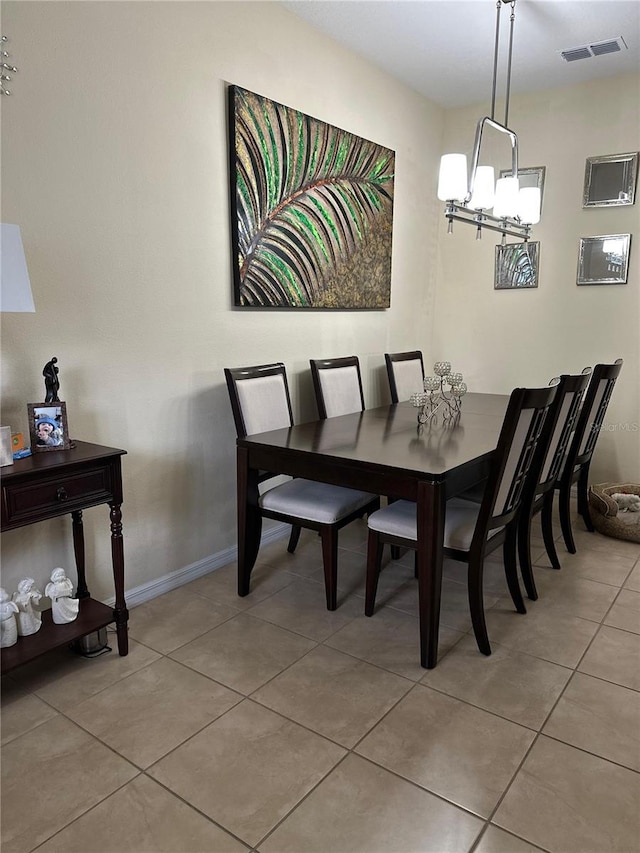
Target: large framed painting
311,210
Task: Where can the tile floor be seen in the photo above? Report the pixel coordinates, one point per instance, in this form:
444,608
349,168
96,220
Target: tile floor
268,724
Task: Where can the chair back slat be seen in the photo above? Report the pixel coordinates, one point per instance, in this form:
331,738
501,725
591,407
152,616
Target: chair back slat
591,417
405,371
519,460
563,415
259,398
338,386
596,417
513,458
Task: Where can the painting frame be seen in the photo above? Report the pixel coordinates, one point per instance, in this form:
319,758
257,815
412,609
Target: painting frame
610,180
48,426
591,266
517,266
311,210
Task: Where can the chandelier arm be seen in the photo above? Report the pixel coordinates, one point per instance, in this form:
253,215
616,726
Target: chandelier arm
512,20
495,60
476,150
485,220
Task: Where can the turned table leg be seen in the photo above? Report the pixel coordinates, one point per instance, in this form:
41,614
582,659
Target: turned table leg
120,612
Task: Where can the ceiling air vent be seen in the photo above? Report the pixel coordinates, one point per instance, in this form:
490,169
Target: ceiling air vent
576,53
600,48
609,46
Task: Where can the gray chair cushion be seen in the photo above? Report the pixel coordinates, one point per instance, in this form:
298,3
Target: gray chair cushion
399,519
319,502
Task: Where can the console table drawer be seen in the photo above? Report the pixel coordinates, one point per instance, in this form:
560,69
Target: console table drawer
57,496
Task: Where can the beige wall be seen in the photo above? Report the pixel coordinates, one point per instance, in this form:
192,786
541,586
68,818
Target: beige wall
114,163
505,338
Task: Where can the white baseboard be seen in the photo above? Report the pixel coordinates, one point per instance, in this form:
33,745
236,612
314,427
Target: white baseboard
152,589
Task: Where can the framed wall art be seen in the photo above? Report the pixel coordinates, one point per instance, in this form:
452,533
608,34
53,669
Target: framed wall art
311,210
48,426
604,259
610,181
517,266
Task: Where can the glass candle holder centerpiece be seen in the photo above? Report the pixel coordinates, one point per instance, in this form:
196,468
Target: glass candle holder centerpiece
444,390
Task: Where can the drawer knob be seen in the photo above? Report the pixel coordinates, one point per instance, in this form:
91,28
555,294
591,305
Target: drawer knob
61,494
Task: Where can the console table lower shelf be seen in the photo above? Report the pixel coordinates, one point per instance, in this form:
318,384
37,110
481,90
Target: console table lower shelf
66,482
92,616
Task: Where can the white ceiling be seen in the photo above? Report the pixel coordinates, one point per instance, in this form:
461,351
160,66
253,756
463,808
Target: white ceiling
444,48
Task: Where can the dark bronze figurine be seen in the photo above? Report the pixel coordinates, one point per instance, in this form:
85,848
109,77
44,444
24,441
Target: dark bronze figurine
51,381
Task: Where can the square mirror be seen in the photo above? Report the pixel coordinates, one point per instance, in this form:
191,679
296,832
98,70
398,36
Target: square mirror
610,180
604,260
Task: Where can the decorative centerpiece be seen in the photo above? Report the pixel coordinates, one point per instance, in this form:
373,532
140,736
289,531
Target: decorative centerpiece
442,391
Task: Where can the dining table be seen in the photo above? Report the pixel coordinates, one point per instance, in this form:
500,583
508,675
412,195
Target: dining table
384,451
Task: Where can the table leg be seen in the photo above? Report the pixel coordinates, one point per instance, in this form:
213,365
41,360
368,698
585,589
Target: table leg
120,612
249,520
78,550
431,513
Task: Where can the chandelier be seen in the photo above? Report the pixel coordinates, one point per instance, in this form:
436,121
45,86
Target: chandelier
469,199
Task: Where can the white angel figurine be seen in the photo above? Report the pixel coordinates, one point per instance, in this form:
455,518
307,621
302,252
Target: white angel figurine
8,624
63,608
29,619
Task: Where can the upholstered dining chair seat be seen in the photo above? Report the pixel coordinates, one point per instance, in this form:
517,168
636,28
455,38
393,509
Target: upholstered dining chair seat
317,502
399,519
260,402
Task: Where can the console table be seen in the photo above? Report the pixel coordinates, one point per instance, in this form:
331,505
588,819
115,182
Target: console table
60,482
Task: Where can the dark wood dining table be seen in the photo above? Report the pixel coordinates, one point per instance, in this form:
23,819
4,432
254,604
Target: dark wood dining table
383,451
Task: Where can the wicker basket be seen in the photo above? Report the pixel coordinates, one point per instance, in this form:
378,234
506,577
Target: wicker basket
606,516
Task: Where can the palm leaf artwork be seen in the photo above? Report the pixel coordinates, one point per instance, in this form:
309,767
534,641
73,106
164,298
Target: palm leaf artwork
312,210
517,265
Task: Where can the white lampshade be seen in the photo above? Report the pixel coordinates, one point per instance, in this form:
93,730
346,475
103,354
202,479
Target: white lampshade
484,190
452,180
506,201
15,287
529,205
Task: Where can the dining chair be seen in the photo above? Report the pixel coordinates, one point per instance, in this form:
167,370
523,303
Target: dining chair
260,402
578,459
406,374
539,488
472,531
337,384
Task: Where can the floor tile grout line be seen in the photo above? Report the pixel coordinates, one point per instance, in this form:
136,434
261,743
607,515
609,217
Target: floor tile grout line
488,824
540,732
413,684
86,812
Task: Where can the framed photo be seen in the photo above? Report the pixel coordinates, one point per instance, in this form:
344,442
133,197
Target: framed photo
533,177
517,266
604,259
610,180
311,210
48,426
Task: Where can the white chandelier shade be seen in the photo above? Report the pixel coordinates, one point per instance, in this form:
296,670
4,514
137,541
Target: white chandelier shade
452,180
484,189
529,202
506,202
